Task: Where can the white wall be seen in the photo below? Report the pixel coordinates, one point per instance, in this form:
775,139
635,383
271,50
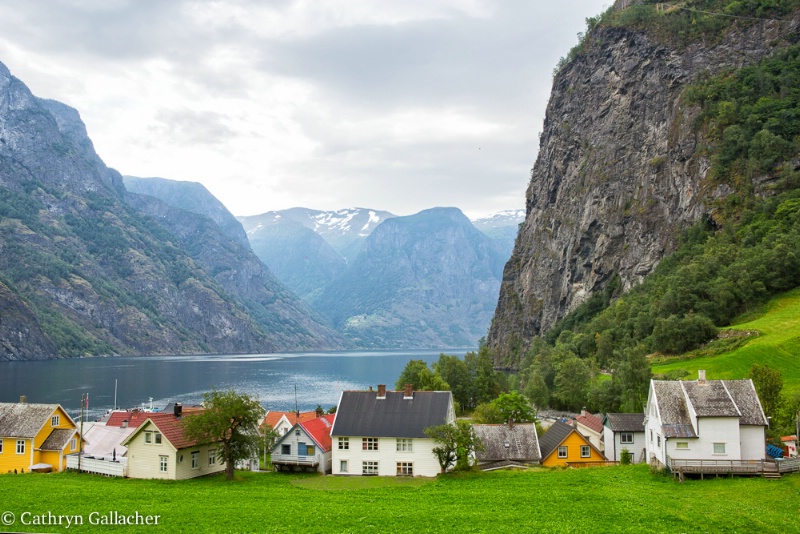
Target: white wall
614,445
387,456
293,440
144,459
753,442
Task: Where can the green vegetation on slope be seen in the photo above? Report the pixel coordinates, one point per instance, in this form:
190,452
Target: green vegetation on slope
614,499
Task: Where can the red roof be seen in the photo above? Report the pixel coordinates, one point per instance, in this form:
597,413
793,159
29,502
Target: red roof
590,421
319,430
134,418
272,418
171,428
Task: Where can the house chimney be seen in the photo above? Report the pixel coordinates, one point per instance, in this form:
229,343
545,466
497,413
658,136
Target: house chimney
124,423
23,399
701,377
177,410
408,392
381,391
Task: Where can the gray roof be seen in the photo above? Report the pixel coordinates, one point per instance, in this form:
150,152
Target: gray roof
362,413
553,436
523,445
714,398
746,399
710,399
57,439
23,420
625,422
675,419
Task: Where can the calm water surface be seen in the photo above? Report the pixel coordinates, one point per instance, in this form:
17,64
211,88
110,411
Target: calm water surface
319,377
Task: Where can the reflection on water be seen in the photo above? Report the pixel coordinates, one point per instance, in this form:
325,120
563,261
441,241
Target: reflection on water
318,376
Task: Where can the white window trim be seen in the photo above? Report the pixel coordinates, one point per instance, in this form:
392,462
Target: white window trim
405,445
372,464
405,466
724,446
343,467
566,451
344,444
588,450
1,446
622,436
195,459
163,463
55,420
21,442
212,457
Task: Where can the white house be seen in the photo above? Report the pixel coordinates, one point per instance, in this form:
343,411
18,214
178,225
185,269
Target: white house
382,432
158,448
704,420
591,426
306,446
624,431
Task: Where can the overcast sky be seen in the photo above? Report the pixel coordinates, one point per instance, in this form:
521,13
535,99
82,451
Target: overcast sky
272,104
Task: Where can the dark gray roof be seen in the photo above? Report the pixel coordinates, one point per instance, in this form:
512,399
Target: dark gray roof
625,422
746,399
23,420
553,436
710,398
675,419
57,439
362,413
523,445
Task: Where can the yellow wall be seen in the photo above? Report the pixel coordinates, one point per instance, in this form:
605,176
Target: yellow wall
10,460
573,443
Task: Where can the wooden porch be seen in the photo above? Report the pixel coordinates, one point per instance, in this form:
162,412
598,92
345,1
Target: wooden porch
763,468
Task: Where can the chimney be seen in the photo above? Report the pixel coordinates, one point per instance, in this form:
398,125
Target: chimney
370,388
319,412
381,391
511,423
124,423
177,410
701,377
23,399
408,393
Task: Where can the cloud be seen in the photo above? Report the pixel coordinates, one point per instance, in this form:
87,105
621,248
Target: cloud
272,104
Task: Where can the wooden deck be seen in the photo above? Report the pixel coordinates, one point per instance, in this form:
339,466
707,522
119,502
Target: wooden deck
789,465
764,468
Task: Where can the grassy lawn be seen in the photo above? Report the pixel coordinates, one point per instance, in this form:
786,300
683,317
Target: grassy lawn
612,499
778,346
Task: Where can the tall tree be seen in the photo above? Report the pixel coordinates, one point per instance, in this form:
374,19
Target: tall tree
230,421
455,444
768,383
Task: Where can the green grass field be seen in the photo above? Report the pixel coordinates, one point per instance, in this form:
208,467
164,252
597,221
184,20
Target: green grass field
610,499
778,346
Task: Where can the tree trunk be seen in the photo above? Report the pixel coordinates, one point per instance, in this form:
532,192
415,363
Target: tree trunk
229,470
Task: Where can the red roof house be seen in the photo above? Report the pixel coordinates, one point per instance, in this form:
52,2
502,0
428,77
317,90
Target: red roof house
305,447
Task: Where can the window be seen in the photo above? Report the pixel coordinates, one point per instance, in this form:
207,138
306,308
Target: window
157,436
310,450
586,451
369,468
73,444
651,436
343,466
286,449
148,437
626,437
562,451
20,446
162,463
682,445
55,420
405,469
1,446
369,444
195,459
719,448
658,439
212,457
404,445
344,444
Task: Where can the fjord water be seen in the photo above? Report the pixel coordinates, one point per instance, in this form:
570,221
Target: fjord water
319,376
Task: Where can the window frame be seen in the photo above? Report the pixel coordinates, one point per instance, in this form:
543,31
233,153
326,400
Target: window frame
681,445
195,459
20,446
157,438
405,445
369,468
148,437
626,438
163,463
343,468
55,420
405,469
565,451
284,447
344,444
586,451
73,444
369,444
724,450
212,457
1,446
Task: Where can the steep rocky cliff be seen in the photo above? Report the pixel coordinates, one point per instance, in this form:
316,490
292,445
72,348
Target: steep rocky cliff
620,169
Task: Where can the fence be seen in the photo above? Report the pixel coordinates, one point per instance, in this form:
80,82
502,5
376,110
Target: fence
90,464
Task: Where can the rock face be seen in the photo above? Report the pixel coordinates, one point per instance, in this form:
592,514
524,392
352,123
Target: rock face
618,173
87,268
426,280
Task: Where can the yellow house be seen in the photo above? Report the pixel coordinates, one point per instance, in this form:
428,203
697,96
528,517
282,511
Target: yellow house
35,436
562,445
